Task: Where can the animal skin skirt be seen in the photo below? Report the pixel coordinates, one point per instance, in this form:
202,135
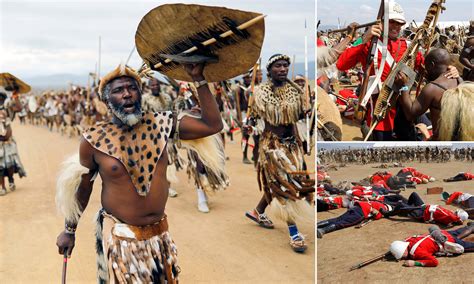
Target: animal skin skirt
135,254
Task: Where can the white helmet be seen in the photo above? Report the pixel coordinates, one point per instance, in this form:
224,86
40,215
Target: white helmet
396,12
462,214
398,248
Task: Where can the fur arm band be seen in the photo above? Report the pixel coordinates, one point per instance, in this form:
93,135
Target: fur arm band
66,189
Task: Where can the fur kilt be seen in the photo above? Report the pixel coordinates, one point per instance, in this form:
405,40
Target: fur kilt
134,254
280,173
9,157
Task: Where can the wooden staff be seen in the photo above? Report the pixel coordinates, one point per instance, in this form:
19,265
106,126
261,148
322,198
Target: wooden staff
256,68
293,68
88,100
63,281
213,40
237,105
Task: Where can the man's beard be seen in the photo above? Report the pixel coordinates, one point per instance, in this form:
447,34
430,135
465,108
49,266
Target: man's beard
129,119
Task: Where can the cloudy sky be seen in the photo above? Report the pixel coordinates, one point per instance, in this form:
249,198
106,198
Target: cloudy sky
363,11
49,37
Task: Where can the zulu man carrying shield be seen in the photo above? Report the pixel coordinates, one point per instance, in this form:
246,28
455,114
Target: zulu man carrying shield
129,152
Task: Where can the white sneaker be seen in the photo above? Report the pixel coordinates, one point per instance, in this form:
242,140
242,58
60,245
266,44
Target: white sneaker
3,191
172,192
12,186
202,207
202,201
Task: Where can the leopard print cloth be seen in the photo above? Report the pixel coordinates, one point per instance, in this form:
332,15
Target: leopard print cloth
138,148
278,105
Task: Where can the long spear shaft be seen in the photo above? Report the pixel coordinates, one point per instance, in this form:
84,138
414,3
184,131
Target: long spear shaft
100,51
308,144
293,68
130,55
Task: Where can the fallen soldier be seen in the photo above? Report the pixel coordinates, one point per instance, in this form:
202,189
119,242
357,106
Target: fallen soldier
362,210
420,250
429,213
421,178
460,177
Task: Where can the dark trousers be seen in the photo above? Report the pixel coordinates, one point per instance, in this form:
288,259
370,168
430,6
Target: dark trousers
415,200
352,217
393,200
458,177
468,246
469,203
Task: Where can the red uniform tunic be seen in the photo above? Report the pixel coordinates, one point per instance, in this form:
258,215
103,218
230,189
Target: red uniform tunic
415,173
359,192
416,179
426,249
438,214
380,179
459,198
469,176
320,190
347,94
358,54
367,206
334,202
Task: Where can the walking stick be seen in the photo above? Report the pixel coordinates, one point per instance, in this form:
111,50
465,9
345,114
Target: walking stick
63,281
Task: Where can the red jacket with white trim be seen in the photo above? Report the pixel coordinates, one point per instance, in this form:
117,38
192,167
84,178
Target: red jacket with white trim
425,251
358,54
367,206
438,214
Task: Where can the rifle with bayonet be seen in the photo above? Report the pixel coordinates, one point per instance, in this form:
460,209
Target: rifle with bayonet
370,261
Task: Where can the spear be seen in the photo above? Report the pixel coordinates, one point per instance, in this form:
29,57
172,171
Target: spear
130,55
293,68
306,86
100,51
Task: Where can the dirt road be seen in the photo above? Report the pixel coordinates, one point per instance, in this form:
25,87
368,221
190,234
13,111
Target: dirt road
220,247
339,250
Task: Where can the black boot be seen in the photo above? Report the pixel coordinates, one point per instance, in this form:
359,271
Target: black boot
325,230
386,213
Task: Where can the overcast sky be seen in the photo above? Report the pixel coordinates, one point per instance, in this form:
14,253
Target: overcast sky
49,37
363,11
